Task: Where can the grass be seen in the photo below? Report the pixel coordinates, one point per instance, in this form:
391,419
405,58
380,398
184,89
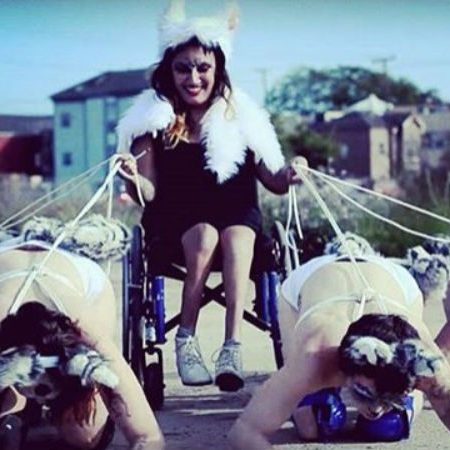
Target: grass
18,192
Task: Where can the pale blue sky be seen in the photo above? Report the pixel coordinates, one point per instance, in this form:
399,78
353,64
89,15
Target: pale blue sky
50,45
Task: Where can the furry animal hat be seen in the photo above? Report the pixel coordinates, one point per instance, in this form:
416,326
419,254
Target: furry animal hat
175,28
230,127
27,370
95,236
430,266
358,246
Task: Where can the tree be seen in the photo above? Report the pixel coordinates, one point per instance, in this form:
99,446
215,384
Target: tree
310,91
298,140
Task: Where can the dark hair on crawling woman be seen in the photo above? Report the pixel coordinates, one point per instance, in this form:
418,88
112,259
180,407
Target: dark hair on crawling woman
387,349
36,329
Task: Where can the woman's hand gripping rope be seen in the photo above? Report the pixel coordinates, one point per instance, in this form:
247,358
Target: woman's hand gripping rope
294,175
296,170
128,170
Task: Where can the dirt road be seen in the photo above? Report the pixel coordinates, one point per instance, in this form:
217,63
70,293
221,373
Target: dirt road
199,418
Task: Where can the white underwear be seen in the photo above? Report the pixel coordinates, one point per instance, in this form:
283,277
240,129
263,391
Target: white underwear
91,274
293,284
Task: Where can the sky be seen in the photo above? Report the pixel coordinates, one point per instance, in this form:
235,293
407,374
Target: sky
47,46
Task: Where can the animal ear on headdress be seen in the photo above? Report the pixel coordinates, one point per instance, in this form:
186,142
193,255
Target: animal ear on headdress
370,350
90,367
417,358
233,16
19,365
175,12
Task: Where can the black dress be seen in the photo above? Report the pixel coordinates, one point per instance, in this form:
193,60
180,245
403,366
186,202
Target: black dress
187,194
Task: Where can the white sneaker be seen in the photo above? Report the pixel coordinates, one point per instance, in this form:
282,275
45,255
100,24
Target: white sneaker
229,376
190,365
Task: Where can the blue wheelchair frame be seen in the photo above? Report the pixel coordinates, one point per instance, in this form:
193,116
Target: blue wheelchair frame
144,325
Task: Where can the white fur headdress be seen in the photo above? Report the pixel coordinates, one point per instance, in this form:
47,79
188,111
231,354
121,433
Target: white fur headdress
358,246
175,28
430,268
226,136
410,355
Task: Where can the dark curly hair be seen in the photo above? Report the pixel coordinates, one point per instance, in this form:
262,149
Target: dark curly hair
51,333
390,328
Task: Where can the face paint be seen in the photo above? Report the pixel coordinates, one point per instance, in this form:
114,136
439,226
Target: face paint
364,394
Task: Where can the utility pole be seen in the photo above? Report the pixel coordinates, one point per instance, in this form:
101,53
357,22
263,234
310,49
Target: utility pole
383,61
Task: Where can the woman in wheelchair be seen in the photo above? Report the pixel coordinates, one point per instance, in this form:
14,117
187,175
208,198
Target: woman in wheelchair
372,347
57,336
202,147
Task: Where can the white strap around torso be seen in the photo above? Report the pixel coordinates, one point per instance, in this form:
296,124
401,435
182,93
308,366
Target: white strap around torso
39,280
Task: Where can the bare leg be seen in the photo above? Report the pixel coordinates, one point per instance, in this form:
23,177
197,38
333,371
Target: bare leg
447,304
199,244
443,338
237,247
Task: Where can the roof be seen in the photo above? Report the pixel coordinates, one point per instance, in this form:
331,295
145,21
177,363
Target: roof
395,118
352,121
439,121
116,84
25,124
371,104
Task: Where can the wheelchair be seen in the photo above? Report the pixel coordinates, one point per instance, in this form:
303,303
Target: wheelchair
144,322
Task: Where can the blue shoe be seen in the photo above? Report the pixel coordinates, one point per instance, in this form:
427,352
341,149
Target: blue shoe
329,410
393,426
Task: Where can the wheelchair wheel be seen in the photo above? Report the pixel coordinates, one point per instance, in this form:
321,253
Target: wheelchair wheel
154,385
134,292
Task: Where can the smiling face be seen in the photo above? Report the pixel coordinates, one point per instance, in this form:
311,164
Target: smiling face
368,402
193,71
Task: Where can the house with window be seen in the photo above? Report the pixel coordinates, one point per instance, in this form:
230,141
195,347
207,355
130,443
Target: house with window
377,141
435,154
85,118
364,145
405,132
26,145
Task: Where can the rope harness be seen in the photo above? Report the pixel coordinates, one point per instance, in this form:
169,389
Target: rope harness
367,292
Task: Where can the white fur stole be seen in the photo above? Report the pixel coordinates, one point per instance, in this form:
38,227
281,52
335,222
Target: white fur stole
227,134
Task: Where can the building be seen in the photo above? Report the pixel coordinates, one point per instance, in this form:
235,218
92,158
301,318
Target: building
436,141
405,132
364,145
377,141
85,118
26,145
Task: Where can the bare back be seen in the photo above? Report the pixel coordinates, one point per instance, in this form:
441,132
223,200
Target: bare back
62,280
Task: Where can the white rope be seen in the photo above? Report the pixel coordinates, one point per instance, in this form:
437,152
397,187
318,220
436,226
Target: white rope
79,179
290,241
385,219
134,176
379,195
34,272
368,292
